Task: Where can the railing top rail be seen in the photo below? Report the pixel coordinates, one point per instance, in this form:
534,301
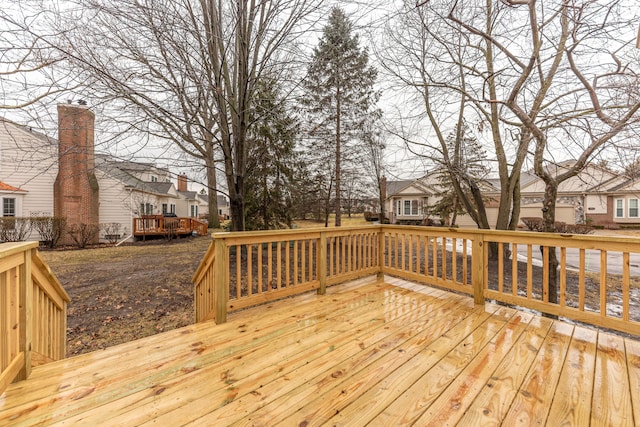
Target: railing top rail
207,259
8,249
53,280
521,234
288,232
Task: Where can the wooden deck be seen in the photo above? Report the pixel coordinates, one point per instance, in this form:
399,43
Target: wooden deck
366,353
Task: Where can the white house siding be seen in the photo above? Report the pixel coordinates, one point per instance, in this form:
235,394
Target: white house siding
28,162
115,203
596,204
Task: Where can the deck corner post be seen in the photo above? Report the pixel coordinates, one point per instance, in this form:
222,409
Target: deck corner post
477,269
380,275
322,263
221,279
26,315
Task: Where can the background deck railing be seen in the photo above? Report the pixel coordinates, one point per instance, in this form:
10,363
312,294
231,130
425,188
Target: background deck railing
33,312
151,225
598,277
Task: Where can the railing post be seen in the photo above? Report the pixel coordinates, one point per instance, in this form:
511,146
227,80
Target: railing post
477,269
381,253
322,263
26,315
221,275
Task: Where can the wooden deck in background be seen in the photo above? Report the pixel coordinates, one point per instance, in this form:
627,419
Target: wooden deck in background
365,353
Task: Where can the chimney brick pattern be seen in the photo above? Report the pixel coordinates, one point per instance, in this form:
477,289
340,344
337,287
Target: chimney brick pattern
75,191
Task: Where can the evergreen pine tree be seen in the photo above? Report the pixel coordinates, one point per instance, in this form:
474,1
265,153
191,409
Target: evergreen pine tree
270,161
339,93
466,162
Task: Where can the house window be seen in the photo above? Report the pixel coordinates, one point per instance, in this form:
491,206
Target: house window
8,207
154,178
399,207
164,208
194,211
146,208
633,208
619,208
172,208
411,208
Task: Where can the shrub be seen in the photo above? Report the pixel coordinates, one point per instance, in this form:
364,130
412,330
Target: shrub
532,223
111,231
14,229
536,224
50,228
83,234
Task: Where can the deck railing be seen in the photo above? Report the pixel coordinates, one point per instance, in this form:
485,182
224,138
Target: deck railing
159,225
33,312
598,277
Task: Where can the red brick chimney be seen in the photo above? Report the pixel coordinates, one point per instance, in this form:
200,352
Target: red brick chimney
182,182
75,191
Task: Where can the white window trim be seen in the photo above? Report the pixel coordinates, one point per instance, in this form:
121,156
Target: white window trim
413,203
637,208
615,208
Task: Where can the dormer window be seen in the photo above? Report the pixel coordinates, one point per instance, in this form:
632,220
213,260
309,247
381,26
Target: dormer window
154,178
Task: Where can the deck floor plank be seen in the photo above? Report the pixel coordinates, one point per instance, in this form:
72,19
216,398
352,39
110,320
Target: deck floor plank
572,401
533,401
143,374
491,406
446,362
367,353
452,403
278,398
633,364
611,393
237,375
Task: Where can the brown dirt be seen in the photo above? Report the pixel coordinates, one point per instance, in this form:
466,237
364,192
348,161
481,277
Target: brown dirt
126,293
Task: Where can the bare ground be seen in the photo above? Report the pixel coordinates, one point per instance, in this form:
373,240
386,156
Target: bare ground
126,293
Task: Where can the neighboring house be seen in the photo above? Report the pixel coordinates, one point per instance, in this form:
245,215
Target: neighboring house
596,195
42,176
410,201
132,189
224,207
28,168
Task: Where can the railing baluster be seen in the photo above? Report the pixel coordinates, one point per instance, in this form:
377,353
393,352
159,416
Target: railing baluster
545,273
563,276
581,284
260,269
279,264
500,266
238,270
603,283
514,269
287,256
269,267
464,262
529,271
249,268
625,286
454,260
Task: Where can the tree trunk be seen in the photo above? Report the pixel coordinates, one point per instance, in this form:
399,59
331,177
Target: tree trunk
212,193
338,201
548,221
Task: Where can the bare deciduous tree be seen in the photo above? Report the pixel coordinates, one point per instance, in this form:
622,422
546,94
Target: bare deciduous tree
186,72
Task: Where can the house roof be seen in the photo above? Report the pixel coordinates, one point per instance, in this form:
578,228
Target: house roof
191,195
28,129
394,187
10,188
119,170
222,200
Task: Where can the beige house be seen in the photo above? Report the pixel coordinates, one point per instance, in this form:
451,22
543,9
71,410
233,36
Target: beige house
596,195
